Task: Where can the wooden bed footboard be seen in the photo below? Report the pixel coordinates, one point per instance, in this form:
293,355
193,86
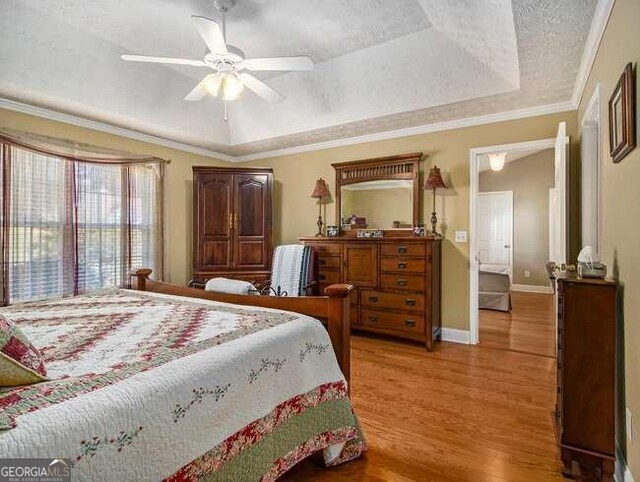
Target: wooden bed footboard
334,308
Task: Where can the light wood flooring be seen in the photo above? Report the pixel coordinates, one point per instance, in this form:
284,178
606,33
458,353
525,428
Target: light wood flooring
529,328
461,413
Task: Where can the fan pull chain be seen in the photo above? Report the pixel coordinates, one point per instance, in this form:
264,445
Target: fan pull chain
226,116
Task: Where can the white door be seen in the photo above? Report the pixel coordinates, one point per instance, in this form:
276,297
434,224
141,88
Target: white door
495,228
558,232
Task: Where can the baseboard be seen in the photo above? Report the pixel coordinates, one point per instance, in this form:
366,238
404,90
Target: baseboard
455,335
623,474
532,289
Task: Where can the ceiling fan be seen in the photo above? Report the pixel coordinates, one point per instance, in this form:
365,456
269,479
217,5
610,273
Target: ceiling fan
228,63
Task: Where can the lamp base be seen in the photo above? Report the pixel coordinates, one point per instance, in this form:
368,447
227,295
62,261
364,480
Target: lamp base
434,223
319,224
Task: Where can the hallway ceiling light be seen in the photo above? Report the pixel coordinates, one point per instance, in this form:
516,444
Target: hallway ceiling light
496,160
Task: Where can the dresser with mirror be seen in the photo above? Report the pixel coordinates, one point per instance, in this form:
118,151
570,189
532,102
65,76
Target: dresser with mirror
396,274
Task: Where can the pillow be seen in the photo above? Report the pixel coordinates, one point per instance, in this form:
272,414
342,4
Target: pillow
230,286
20,362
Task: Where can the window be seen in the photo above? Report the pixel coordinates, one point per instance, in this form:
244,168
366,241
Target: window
70,226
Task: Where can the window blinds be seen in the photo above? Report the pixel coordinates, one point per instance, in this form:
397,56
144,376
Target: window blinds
70,226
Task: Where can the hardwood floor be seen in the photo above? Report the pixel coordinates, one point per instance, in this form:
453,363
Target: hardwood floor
529,328
461,413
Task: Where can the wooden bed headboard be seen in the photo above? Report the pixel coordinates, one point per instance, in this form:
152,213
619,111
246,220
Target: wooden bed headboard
334,308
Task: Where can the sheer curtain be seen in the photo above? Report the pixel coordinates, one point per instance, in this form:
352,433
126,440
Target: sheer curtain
72,224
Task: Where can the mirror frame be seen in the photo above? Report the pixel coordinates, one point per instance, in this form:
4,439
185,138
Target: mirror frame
402,166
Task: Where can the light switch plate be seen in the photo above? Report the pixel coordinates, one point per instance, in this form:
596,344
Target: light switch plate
461,236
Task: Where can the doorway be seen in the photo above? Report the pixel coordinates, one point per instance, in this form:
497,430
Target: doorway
556,242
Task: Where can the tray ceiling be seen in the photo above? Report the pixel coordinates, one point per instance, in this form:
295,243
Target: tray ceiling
379,65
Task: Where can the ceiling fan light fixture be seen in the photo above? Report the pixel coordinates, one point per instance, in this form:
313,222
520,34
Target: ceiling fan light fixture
212,84
232,86
496,160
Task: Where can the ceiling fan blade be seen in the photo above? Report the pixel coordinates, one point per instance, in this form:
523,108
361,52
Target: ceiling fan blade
211,33
202,89
162,60
279,63
260,88
196,94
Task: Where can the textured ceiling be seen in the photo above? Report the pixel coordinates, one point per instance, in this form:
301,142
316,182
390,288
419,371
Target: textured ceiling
380,65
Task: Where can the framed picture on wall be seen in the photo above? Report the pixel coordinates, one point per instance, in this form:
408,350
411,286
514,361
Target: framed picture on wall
622,117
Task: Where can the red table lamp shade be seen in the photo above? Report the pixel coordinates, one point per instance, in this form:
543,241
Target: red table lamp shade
435,179
321,190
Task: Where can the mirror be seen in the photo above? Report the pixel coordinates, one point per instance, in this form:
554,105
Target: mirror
381,204
381,193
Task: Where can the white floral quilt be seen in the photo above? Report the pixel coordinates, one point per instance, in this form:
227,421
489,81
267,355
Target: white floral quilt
146,386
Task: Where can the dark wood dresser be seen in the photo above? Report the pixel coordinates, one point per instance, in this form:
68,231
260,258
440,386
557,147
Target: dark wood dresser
396,280
232,223
586,387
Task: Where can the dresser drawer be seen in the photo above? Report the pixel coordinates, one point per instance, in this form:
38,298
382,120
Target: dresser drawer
406,322
326,248
329,261
404,265
408,249
409,282
328,276
393,301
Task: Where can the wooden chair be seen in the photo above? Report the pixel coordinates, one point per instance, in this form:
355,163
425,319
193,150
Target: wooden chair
293,273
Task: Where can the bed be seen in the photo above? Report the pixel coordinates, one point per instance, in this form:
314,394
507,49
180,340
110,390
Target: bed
494,287
164,382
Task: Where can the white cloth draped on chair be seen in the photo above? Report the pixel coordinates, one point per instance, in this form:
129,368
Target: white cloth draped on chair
290,266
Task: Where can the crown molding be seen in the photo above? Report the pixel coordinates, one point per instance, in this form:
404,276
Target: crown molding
598,26
385,135
110,129
412,131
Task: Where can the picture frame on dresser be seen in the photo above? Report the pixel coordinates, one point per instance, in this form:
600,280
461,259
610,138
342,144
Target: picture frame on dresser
622,116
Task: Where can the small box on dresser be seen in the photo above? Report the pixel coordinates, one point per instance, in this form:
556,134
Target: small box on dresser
396,280
586,376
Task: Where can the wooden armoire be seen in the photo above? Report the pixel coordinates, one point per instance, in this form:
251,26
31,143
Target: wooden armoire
232,223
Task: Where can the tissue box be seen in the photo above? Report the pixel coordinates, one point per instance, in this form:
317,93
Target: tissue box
592,270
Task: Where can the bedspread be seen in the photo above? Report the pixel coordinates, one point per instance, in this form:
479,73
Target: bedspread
147,387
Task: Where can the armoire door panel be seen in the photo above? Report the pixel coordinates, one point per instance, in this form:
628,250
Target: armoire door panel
252,195
214,254
215,206
250,254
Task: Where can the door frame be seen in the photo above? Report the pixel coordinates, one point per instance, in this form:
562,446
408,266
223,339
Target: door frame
510,195
474,154
593,113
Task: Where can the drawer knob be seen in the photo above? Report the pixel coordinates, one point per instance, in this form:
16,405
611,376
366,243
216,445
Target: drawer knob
410,323
373,318
402,249
402,265
373,299
401,282
322,262
322,277
410,302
